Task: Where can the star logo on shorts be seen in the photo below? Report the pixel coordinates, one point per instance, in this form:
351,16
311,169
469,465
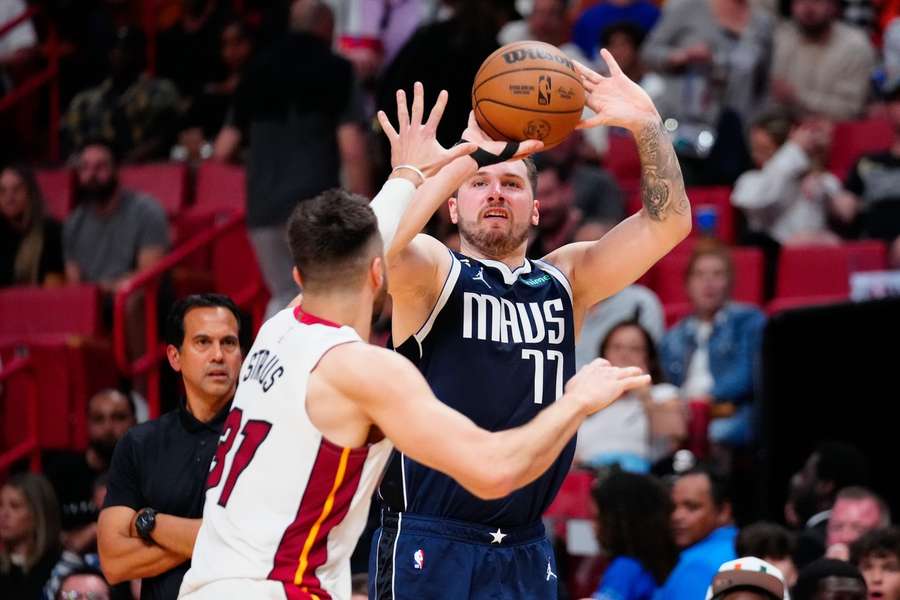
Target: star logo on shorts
498,536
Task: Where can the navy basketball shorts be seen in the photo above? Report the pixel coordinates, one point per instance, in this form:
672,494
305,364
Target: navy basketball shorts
415,557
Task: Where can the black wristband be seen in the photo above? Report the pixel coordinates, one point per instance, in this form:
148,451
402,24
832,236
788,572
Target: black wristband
483,158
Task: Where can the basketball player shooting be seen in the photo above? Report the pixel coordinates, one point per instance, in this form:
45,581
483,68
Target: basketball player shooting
315,414
494,335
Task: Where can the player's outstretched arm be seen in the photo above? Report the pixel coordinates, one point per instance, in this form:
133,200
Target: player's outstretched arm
599,269
490,465
124,555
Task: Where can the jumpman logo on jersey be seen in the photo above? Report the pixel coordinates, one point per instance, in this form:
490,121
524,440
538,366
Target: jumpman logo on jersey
550,572
479,276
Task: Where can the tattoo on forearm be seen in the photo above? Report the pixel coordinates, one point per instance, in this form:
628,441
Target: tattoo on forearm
662,187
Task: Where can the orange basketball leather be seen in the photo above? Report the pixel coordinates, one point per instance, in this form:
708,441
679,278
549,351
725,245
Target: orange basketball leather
528,90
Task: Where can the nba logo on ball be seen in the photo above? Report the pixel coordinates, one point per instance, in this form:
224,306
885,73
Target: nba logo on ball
419,559
544,86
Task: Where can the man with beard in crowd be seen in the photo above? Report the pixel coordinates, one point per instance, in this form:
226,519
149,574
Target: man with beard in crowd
113,233
74,475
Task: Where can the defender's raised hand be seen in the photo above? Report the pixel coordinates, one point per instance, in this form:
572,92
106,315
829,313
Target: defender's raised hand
416,143
617,100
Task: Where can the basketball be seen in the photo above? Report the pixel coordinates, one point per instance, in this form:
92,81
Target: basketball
528,90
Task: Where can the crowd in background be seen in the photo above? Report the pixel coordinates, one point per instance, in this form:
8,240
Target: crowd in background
750,92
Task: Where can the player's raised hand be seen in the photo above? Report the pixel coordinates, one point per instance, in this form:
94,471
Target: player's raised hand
617,100
599,384
474,133
416,142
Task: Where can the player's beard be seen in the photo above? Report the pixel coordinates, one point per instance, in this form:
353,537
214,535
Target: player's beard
493,243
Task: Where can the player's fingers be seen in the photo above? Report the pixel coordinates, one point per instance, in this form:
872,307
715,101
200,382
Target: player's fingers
437,111
585,72
402,110
591,122
614,69
632,383
386,126
418,104
462,150
626,372
529,147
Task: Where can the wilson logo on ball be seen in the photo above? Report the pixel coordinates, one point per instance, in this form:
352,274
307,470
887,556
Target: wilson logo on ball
514,56
544,90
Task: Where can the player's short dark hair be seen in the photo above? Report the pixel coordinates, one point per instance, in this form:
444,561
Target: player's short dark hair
719,483
878,543
175,320
532,171
329,236
634,33
765,539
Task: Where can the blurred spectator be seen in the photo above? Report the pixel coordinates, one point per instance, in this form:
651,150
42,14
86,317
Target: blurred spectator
856,511
635,303
373,31
624,40
772,543
821,66
463,41
136,113
748,578
558,217
31,250
829,579
547,22
891,51
114,232
703,530
157,479
710,355
873,186
592,22
360,586
830,468
303,121
787,197
110,414
209,108
32,561
877,555
17,46
624,432
84,584
635,531
187,54
714,56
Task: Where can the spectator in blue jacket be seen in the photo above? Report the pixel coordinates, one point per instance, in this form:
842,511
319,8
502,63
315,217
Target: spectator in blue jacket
701,524
592,22
711,354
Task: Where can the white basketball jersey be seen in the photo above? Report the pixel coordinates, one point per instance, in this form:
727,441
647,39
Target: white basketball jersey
284,506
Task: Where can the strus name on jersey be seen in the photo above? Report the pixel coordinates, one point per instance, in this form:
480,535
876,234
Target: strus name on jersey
264,367
487,317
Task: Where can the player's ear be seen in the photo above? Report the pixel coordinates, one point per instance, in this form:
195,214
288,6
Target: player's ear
297,279
536,212
174,357
452,207
376,272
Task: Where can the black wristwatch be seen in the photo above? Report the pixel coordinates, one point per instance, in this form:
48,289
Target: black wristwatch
144,523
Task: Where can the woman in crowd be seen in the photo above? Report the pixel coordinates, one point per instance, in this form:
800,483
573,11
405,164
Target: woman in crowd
32,561
638,428
30,242
633,528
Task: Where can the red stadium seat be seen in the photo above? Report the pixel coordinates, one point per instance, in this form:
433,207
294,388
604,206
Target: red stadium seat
220,186
852,139
669,274
781,304
58,189
715,199
165,182
867,255
28,310
622,158
810,271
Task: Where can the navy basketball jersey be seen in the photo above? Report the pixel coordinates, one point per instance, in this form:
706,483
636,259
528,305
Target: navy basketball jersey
498,347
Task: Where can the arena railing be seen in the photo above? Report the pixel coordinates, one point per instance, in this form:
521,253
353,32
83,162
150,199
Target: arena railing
29,446
148,283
